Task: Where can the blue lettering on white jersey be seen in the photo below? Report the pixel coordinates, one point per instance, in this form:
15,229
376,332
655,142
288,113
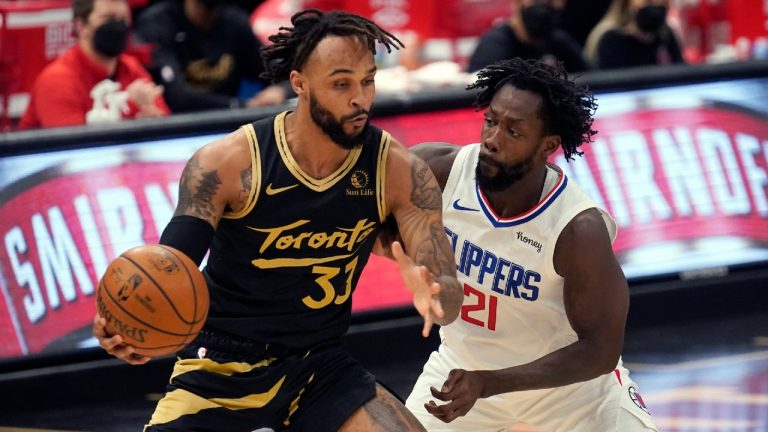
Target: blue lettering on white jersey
508,278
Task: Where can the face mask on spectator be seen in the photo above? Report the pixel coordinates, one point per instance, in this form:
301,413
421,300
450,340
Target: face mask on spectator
111,37
651,18
539,20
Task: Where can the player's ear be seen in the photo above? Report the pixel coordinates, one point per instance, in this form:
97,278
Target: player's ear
551,144
298,83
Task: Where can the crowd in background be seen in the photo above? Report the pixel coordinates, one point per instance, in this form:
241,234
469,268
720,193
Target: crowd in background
148,58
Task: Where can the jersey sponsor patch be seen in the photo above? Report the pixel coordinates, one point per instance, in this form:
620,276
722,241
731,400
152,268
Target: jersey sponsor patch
359,183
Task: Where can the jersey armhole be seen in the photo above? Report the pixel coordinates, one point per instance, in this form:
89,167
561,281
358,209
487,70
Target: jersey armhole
455,174
381,177
253,148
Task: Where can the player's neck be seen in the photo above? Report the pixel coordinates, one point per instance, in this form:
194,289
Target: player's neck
314,151
520,197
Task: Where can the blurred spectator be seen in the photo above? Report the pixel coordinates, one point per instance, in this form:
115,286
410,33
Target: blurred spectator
633,33
531,32
432,30
408,20
205,54
94,81
581,16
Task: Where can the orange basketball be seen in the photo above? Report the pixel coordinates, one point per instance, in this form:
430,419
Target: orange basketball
155,297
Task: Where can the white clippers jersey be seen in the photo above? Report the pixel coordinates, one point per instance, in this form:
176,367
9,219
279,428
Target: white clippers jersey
513,310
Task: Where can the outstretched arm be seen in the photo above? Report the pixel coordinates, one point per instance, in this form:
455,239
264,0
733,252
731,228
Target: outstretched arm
429,270
214,180
596,303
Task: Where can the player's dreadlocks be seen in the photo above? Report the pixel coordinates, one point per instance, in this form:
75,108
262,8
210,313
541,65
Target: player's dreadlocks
567,108
291,46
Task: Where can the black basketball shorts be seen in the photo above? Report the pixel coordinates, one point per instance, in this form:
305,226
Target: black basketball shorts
213,388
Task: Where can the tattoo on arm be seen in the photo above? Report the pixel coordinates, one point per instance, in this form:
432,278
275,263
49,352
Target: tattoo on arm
196,191
429,253
388,414
245,192
424,195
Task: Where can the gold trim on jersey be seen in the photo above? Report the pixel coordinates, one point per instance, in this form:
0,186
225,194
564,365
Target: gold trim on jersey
295,403
381,178
317,185
188,365
253,194
181,402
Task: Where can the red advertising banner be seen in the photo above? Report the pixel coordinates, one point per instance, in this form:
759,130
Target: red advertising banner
63,230
687,183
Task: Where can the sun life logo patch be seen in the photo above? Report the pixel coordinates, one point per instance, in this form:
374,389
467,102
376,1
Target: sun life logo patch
359,180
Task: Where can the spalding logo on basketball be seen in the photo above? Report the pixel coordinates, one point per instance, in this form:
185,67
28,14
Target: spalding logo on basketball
155,297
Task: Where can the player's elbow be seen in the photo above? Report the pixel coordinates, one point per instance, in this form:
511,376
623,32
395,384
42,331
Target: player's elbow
607,364
607,359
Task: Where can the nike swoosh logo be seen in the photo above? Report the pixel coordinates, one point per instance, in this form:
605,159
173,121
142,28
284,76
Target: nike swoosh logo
457,206
274,191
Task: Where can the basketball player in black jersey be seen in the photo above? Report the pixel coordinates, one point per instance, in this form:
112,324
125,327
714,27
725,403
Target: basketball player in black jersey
290,207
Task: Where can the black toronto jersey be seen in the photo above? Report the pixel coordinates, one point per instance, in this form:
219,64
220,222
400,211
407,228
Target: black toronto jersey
282,270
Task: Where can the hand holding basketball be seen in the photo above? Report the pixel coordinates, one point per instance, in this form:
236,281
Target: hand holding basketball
155,298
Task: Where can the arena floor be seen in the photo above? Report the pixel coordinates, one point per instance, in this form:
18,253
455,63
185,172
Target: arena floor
696,374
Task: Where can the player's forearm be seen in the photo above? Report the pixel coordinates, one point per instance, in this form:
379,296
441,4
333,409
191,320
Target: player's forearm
580,361
451,298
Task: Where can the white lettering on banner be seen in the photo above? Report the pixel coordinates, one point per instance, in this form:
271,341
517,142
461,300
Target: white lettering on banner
58,255
723,170
683,172
91,233
585,179
636,169
64,266
765,151
612,187
121,217
757,179
16,246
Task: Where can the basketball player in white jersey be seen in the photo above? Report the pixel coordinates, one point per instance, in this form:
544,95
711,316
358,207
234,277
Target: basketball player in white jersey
545,302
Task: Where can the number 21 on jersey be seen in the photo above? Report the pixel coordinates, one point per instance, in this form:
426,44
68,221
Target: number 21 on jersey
477,309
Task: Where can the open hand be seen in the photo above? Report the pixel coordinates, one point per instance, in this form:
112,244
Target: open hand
114,345
422,284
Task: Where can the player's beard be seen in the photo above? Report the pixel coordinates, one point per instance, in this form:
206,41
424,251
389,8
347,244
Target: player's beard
335,128
506,176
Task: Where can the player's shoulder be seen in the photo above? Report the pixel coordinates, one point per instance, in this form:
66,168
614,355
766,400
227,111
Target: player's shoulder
228,149
439,156
435,150
584,228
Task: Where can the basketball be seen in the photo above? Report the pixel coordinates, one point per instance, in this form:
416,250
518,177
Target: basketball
155,297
